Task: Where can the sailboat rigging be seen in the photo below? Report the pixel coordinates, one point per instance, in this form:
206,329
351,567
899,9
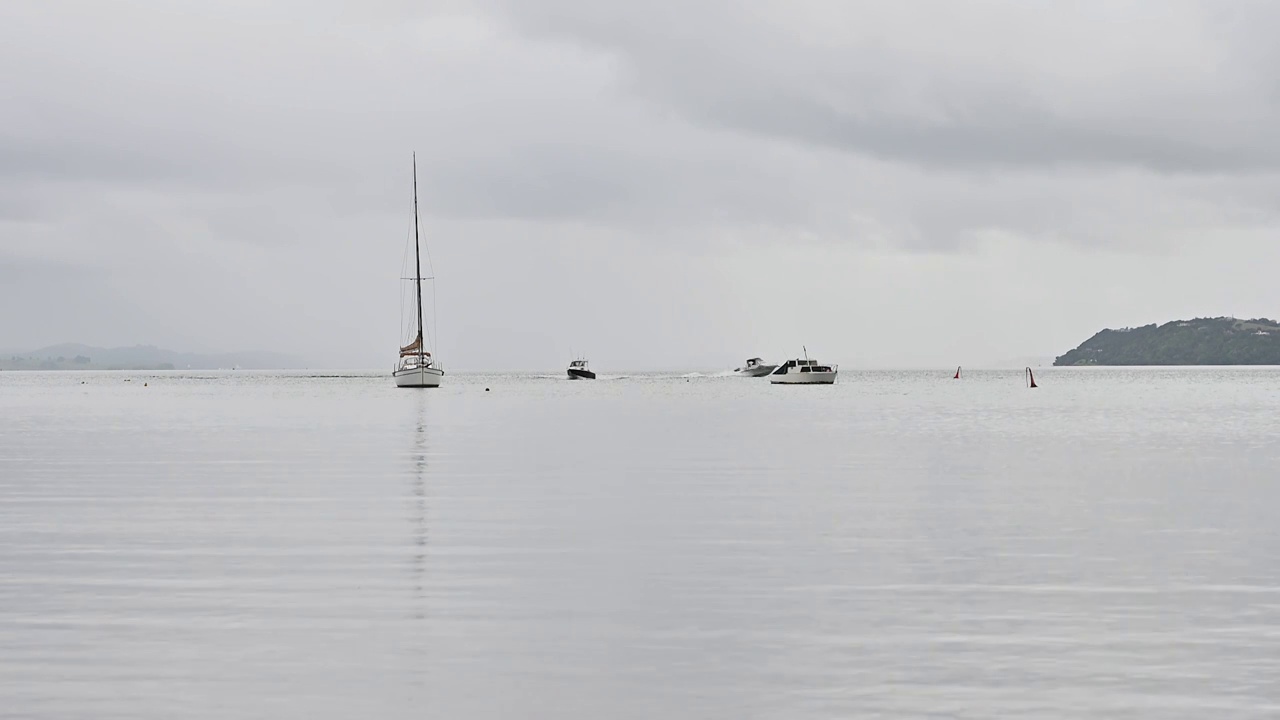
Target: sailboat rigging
416,367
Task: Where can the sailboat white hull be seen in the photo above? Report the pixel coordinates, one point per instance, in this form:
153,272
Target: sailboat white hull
418,377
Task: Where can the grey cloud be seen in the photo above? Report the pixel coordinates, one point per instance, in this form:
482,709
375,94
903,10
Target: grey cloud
1173,87
540,131
237,174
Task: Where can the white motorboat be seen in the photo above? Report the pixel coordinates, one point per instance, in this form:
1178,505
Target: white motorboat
755,367
803,372
416,368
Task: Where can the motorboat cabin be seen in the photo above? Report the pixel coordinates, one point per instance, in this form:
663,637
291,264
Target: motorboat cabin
578,370
755,367
803,372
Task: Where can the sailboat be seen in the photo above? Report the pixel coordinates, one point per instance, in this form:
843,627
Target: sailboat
416,368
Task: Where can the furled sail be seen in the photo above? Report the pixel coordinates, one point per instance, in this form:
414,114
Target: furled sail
414,348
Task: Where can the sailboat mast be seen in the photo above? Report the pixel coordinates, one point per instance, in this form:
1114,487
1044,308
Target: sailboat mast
417,259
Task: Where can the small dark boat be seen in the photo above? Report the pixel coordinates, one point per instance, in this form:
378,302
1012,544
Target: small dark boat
578,370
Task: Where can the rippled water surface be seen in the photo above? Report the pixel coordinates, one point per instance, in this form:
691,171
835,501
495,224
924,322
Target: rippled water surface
239,545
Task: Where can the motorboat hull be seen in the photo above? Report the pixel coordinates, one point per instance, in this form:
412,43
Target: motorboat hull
757,371
804,378
418,377
576,374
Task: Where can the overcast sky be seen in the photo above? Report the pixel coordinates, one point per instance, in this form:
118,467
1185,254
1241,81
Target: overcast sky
658,185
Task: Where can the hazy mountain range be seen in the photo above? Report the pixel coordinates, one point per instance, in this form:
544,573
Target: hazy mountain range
75,356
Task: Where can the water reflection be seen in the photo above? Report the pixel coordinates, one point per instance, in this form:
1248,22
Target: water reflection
418,500
897,545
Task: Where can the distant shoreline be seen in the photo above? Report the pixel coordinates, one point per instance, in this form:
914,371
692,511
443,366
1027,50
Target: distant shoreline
75,356
163,367
1209,342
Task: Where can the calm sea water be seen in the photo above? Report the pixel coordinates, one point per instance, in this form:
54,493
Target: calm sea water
239,545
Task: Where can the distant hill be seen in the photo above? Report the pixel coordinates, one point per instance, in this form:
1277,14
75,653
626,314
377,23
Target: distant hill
74,356
1202,341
